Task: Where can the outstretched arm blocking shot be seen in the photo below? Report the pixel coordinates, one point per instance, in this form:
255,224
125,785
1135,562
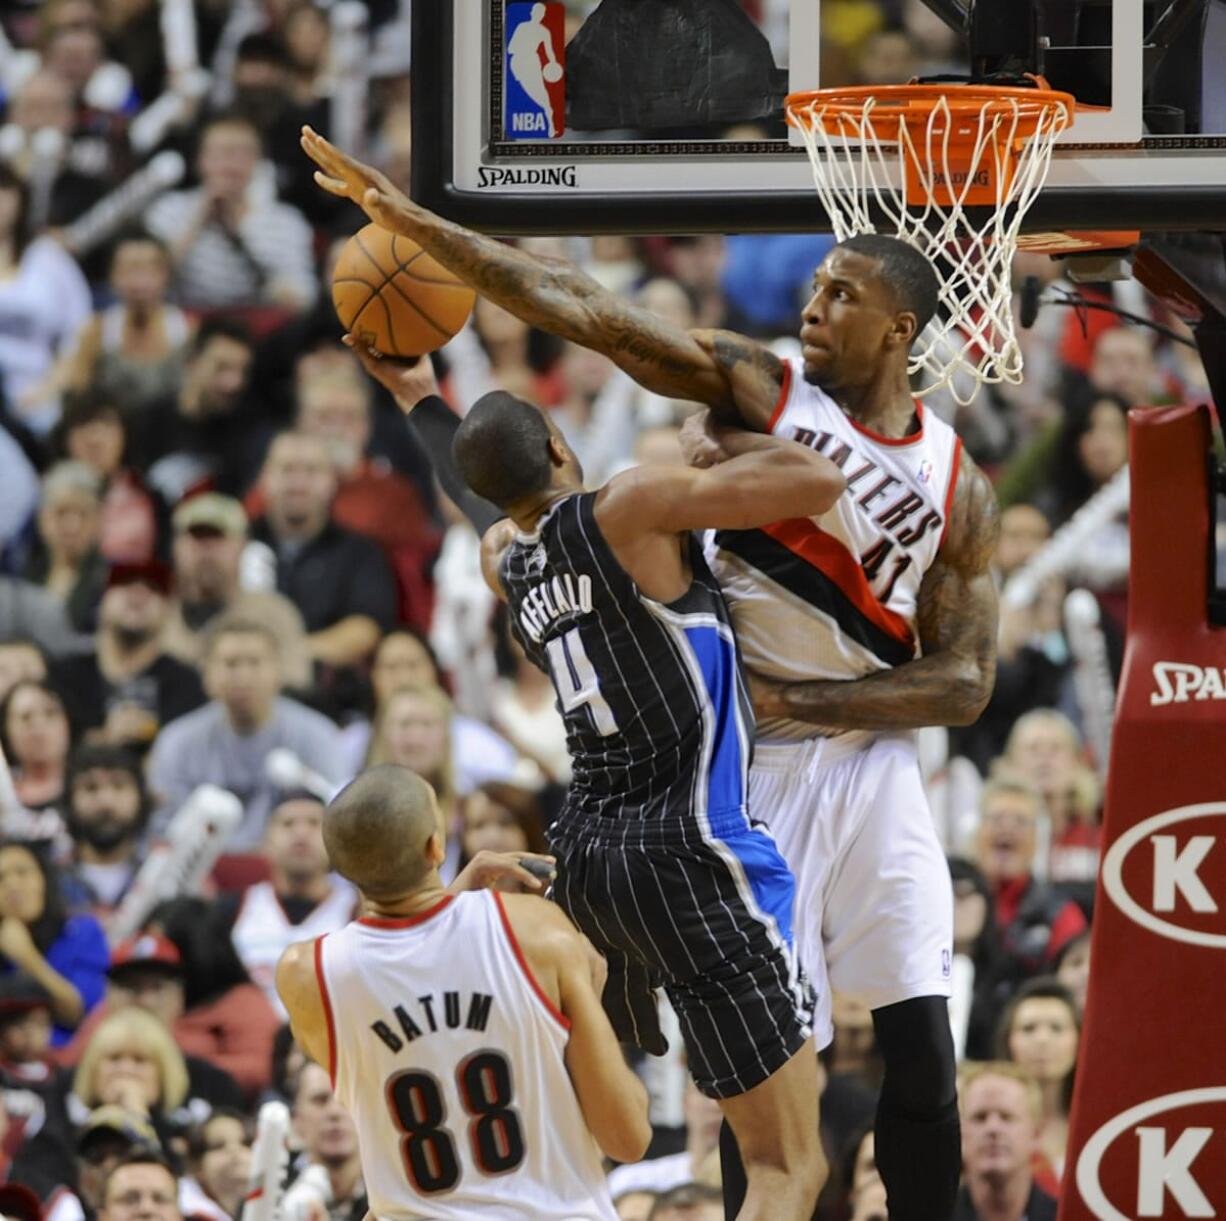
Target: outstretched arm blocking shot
736,377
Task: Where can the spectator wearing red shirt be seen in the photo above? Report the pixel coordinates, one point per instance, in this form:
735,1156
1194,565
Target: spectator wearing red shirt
1034,922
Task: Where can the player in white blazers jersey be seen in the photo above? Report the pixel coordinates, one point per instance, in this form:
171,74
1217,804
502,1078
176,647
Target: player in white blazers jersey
900,636
463,1032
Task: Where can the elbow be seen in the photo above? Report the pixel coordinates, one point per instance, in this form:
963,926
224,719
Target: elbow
629,1142
973,689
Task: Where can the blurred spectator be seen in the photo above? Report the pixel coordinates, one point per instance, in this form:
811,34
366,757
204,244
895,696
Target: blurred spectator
524,708
146,972
20,660
219,1155
977,938
131,352
1123,365
302,899
1032,653
339,580
371,498
329,1179
198,436
25,1035
865,1190
130,687
108,1135
106,809
66,955
1073,970
413,730
231,242
661,1174
227,741
634,1205
211,556
19,490
1000,1117
1040,1032
688,1202
44,301
404,659
93,431
502,817
36,735
131,1061
31,612
227,1020
697,264
142,1187
67,561
265,93
1045,747
1034,921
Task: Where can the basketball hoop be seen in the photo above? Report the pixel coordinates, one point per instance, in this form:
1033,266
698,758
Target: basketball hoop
920,156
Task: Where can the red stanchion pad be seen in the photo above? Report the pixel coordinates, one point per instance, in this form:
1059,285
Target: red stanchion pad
1148,1131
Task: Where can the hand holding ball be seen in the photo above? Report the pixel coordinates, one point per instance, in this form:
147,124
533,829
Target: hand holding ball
393,297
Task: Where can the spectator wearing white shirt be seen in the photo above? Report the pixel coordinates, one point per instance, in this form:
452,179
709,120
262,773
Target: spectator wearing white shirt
44,302
231,241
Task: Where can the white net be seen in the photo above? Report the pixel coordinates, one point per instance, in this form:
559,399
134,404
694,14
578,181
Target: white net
956,182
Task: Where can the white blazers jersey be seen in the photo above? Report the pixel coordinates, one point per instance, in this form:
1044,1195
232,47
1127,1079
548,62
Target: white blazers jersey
262,931
834,597
448,1055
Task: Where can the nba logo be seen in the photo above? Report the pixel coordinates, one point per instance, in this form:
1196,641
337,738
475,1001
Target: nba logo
946,965
925,471
535,74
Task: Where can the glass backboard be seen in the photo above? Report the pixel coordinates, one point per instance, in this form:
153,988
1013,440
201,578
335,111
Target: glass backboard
666,115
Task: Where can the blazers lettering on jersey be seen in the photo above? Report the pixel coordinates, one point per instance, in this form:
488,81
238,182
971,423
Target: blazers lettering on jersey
550,600
473,1016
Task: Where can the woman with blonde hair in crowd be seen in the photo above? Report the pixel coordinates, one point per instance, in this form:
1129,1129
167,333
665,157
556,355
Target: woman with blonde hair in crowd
413,730
1040,1032
132,1062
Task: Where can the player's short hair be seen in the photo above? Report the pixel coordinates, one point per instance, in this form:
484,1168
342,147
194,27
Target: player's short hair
376,828
907,271
501,449
972,1072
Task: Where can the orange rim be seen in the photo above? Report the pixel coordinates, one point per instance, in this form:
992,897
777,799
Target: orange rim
914,104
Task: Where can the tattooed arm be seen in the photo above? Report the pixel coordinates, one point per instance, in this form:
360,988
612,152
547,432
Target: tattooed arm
737,378
951,683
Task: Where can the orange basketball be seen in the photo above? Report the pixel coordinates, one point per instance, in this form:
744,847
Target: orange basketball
389,293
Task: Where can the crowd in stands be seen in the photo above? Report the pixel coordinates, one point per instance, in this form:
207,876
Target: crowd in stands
219,543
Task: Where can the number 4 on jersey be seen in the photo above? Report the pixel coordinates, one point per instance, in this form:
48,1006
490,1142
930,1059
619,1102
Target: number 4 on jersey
576,681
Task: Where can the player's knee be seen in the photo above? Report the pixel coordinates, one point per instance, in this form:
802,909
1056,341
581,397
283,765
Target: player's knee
918,1053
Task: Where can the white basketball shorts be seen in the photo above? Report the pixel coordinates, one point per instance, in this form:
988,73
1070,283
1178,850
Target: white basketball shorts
874,903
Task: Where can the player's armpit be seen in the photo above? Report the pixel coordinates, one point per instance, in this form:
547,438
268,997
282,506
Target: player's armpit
611,1097
773,480
298,988
494,543
951,682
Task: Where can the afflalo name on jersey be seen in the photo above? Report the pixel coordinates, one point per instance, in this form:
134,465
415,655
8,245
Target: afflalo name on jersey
836,596
657,717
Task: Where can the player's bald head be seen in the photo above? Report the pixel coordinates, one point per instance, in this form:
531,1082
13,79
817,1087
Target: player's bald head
377,828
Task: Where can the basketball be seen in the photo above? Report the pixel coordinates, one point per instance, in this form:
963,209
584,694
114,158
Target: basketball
390,294
552,73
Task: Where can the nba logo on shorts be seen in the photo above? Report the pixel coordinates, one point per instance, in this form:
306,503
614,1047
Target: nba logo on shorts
945,964
535,75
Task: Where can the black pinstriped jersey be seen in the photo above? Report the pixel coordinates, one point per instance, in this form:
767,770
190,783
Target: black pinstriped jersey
657,715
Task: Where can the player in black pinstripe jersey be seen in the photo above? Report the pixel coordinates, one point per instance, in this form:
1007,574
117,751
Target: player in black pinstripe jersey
658,860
